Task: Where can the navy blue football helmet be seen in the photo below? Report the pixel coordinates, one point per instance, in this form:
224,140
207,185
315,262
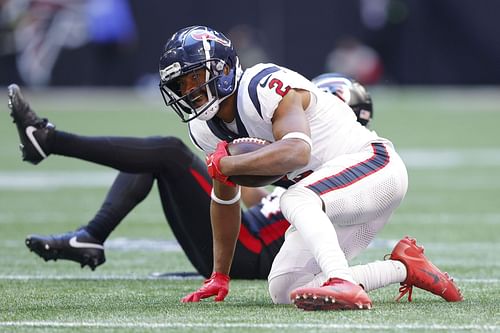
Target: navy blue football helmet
350,91
186,52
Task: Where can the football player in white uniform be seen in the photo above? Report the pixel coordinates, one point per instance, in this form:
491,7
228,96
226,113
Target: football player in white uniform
347,179
187,212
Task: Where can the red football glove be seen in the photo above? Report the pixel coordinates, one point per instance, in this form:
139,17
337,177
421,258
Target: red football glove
217,285
213,161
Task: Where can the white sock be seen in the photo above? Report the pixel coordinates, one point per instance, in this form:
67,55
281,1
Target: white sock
303,208
379,274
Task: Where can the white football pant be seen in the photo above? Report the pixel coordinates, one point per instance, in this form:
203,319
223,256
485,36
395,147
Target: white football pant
359,193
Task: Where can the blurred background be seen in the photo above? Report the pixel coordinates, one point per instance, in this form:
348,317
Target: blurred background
387,42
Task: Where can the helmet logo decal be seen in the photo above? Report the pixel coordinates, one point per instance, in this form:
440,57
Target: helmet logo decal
364,114
208,35
344,93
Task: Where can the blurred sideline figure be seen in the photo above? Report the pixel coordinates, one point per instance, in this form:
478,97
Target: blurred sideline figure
40,30
345,187
246,40
356,59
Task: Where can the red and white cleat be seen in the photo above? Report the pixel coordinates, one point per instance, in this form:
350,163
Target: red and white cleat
421,273
334,294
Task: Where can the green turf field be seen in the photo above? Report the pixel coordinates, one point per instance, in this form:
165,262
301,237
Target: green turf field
449,139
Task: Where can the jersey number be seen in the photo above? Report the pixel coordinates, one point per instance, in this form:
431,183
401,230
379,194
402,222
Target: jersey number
279,87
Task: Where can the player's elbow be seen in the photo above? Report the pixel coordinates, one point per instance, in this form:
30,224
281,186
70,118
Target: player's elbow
301,159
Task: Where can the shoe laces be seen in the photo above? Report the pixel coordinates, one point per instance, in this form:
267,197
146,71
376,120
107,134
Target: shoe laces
405,289
408,288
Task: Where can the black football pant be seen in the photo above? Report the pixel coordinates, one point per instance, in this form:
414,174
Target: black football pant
184,187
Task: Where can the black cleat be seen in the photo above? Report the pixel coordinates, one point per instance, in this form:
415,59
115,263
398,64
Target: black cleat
77,246
33,130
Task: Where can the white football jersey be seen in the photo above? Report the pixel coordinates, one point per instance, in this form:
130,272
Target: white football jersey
334,128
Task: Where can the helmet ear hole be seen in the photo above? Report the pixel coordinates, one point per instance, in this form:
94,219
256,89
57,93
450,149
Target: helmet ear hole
229,62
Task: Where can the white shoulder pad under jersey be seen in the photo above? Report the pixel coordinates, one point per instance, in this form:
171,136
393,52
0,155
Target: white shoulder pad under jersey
202,137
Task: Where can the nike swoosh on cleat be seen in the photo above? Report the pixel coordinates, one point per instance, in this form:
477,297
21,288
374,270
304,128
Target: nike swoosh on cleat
29,133
433,275
76,244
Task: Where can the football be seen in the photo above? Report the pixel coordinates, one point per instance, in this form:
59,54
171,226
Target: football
247,145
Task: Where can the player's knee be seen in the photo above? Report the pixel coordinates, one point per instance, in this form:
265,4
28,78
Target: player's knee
280,289
174,142
171,148
296,199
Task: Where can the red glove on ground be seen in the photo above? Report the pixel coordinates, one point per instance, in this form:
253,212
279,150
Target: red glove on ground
213,161
217,285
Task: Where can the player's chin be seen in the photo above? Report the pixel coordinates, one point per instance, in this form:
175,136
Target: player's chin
198,99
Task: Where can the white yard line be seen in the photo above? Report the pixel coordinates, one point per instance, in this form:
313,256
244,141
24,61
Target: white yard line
26,277
450,158
136,325
125,244
440,218
76,277
43,180
121,244
415,159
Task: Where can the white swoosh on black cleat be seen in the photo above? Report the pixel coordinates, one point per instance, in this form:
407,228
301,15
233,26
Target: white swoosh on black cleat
29,133
73,242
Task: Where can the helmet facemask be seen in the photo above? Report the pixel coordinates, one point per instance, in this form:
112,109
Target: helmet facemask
185,105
